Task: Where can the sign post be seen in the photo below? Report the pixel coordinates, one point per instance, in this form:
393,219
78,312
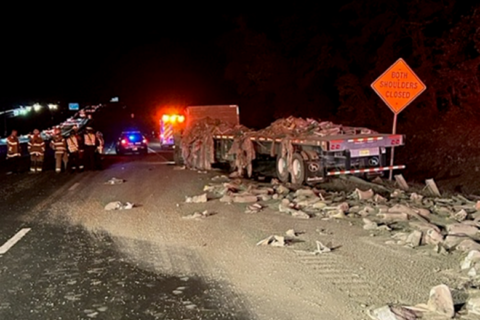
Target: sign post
398,86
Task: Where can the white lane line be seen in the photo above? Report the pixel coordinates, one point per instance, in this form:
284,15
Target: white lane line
10,243
158,162
75,185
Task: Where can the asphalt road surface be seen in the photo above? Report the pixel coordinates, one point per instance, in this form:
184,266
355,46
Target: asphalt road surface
63,256
59,270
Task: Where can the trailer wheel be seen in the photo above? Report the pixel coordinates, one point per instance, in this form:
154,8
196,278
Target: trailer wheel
298,169
282,169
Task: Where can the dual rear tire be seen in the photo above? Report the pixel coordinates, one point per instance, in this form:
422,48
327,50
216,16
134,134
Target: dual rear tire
297,174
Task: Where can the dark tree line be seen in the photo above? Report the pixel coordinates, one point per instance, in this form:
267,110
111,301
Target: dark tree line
313,63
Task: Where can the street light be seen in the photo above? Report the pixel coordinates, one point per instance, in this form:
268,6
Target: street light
53,106
37,107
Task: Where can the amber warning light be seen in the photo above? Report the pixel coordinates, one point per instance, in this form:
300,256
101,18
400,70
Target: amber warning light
173,118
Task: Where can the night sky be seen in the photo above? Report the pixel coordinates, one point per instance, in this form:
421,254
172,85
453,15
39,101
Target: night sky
93,57
315,60
143,55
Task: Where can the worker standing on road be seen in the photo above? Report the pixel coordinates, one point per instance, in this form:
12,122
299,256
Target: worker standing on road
100,150
90,148
177,145
59,145
81,148
36,148
73,151
13,152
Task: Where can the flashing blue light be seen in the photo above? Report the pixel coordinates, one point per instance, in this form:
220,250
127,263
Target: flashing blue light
132,138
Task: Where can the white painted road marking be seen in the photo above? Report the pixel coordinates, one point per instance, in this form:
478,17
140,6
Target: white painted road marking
10,243
74,186
158,162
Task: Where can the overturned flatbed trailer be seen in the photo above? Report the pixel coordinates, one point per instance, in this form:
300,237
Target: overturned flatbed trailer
312,158
301,150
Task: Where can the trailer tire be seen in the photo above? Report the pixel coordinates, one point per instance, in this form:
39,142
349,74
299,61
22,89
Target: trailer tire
298,169
281,168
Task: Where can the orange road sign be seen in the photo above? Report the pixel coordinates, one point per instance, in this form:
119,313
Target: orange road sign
398,86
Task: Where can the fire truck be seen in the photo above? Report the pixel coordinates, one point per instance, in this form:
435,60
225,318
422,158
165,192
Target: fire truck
170,125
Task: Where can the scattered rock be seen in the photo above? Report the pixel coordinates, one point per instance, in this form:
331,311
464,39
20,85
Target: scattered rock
423,212
401,182
364,195
274,241
377,180
393,313
366,211
319,205
291,233
308,202
432,187
369,225
468,245
221,178
379,199
235,175
460,215
304,193
300,214
451,241
198,215
258,192
245,199
461,229
473,305
343,206
264,197
414,239
472,272
433,236
471,259
393,216
441,301
401,237
254,208
417,198
284,206
115,181
282,190
397,194
117,205
226,199
197,199
321,248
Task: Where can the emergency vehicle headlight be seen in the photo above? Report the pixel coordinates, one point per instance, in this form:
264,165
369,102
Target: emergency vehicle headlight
181,119
165,118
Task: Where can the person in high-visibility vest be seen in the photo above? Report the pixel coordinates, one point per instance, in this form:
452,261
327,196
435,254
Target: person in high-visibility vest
36,148
73,151
59,145
13,152
81,148
100,150
90,141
